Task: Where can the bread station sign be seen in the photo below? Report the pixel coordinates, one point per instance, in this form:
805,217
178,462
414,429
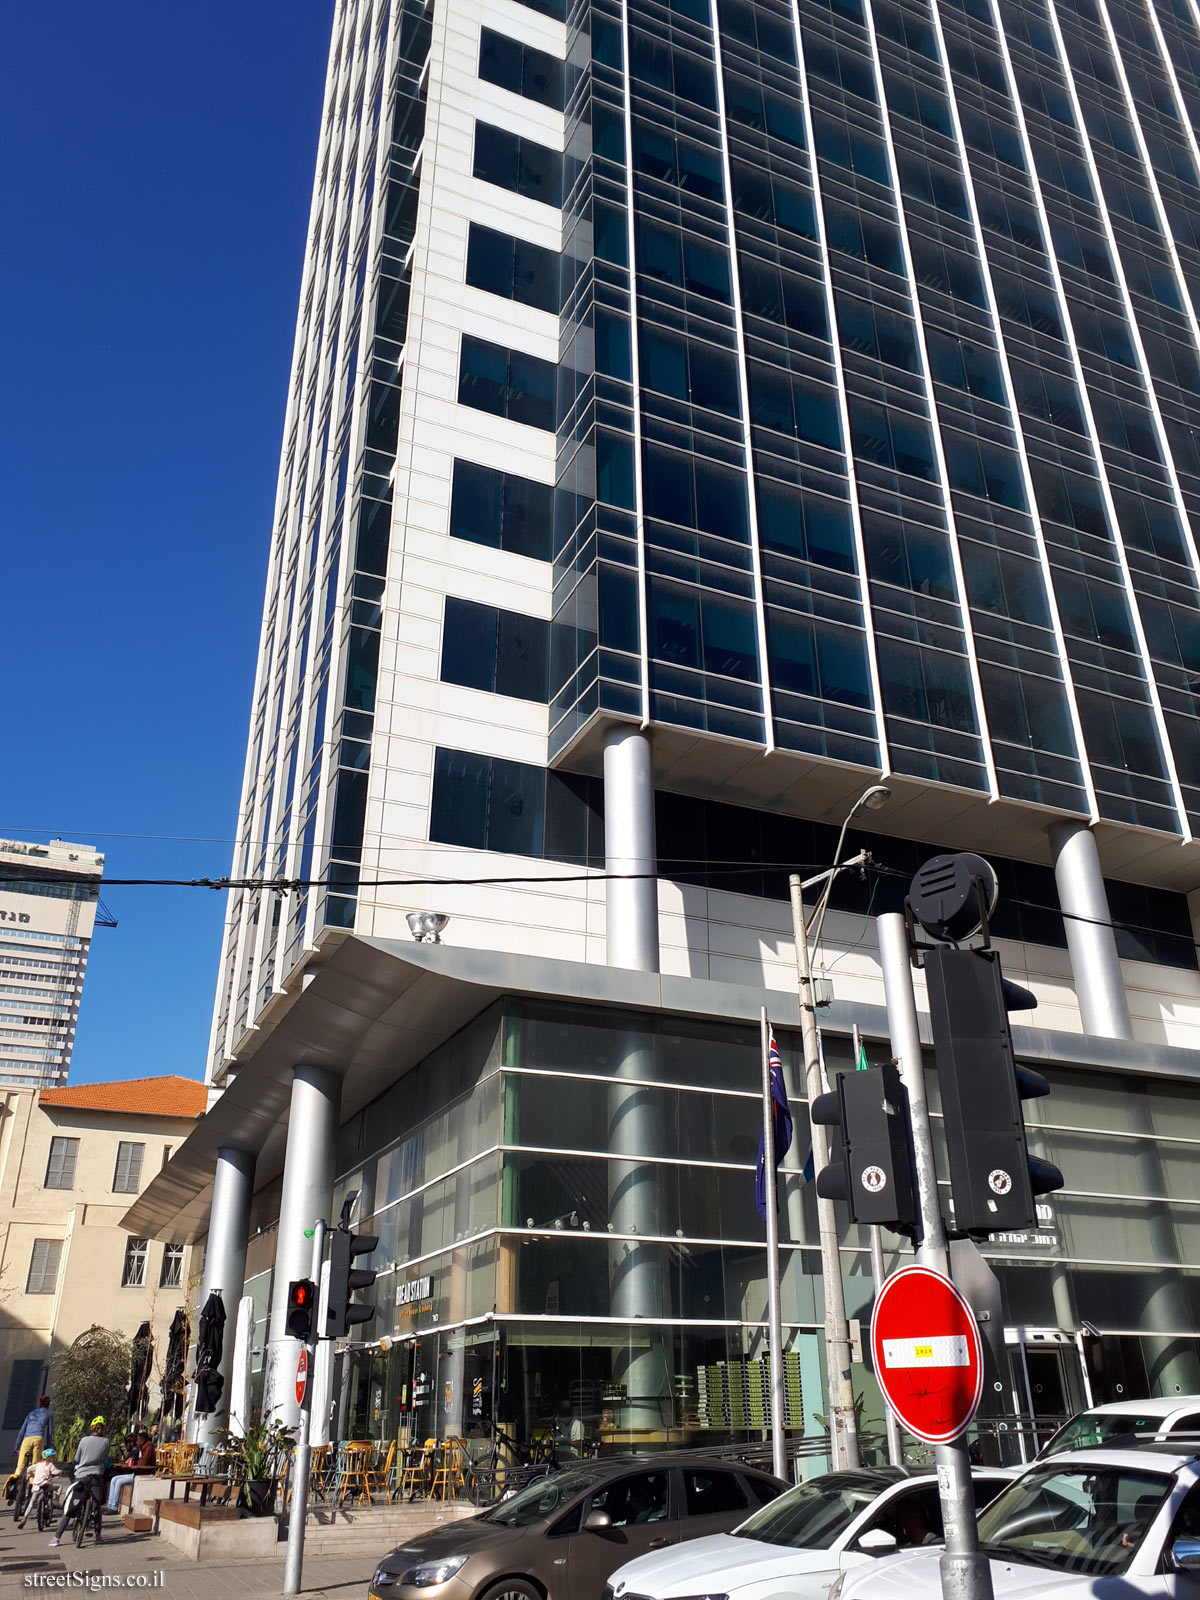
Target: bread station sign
415,1295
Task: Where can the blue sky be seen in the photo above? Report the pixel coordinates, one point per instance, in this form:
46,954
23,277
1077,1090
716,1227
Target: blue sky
156,160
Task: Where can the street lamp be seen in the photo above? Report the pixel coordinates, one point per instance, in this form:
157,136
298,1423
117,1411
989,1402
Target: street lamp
843,1428
869,800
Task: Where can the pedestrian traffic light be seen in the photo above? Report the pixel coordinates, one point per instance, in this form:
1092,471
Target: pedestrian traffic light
871,1170
345,1278
993,1178
302,1299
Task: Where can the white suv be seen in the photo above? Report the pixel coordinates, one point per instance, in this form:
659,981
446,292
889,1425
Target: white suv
1088,1525
1107,1424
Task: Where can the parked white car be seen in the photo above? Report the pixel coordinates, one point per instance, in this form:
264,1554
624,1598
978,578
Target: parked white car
1091,1525
794,1548
1108,1424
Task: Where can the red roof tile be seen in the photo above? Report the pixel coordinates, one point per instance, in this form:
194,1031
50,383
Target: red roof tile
145,1097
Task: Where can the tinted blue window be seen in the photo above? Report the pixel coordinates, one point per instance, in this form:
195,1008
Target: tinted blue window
521,69
513,268
506,383
522,165
502,510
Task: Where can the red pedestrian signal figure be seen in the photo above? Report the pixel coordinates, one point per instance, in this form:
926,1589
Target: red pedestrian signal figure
302,1296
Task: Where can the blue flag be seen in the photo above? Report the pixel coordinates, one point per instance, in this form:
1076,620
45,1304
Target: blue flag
781,1130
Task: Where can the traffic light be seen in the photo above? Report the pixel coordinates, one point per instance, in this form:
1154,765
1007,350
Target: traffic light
344,1278
302,1300
993,1178
872,1169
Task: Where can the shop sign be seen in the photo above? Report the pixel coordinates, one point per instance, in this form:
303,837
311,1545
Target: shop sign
415,1295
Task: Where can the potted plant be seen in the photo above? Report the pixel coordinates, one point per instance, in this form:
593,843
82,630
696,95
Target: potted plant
261,1451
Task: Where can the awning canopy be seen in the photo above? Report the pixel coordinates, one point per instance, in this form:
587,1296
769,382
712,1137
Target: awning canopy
372,1009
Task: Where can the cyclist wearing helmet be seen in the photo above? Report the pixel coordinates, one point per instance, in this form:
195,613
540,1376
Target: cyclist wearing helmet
40,1475
91,1460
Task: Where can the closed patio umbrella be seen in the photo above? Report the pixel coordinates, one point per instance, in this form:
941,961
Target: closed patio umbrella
141,1357
172,1383
209,1347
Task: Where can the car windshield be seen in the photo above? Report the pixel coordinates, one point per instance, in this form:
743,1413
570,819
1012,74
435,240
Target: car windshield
1097,1427
813,1516
543,1498
1074,1519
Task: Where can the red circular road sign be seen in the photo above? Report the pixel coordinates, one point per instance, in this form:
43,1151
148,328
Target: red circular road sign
928,1354
301,1376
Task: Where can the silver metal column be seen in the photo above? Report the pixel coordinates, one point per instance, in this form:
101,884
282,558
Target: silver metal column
225,1265
632,904
1095,965
307,1196
639,1284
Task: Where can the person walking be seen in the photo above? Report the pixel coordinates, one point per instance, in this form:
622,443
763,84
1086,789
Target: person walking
37,1431
91,1461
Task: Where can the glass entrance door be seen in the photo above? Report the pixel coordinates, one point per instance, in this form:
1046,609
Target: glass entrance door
1048,1382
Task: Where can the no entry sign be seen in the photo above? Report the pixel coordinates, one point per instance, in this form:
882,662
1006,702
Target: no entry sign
301,1377
927,1352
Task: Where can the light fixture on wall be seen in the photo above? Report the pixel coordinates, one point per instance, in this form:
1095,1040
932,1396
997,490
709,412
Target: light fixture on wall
426,926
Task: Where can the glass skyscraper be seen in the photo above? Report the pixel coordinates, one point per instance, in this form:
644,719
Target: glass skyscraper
702,411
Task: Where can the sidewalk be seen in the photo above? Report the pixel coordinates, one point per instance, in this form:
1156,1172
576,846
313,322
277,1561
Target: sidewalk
29,1567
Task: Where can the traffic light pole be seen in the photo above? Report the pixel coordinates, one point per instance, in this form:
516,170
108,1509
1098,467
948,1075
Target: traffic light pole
843,1428
294,1561
966,1574
779,1463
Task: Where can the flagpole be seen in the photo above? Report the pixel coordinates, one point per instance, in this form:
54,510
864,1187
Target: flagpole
895,1453
774,1313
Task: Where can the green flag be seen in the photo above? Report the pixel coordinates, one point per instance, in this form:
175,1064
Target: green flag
861,1064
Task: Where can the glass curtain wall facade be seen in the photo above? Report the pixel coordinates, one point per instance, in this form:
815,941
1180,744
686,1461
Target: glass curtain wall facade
874,418
879,389
501,1247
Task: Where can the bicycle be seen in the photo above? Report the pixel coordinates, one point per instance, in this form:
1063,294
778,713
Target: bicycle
43,1498
21,1499
83,1507
508,1467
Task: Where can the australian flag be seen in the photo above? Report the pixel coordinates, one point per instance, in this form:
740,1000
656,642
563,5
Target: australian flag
781,1130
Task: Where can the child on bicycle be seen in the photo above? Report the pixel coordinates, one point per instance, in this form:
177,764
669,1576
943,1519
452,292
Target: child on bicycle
41,1476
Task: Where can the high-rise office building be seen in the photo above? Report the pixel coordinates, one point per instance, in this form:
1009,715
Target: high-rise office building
703,411
48,899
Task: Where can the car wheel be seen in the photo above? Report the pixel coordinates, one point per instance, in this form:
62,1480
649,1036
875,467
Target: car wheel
513,1589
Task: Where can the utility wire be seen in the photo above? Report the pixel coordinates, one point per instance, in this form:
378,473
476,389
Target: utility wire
296,885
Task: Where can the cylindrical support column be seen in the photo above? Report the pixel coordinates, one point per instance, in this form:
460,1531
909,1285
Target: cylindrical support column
638,1288
307,1196
631,900
225,1266
1095,965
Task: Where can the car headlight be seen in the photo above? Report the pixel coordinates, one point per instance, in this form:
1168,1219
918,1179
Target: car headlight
835,1591
382,1578
430,1573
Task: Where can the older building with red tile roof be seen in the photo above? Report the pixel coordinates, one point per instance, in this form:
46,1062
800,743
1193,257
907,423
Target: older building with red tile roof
170,1096
71,1162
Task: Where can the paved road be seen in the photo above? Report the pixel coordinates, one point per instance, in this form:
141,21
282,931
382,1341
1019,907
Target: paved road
28,1566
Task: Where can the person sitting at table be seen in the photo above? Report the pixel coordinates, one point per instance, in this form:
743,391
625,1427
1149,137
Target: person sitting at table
140,1460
